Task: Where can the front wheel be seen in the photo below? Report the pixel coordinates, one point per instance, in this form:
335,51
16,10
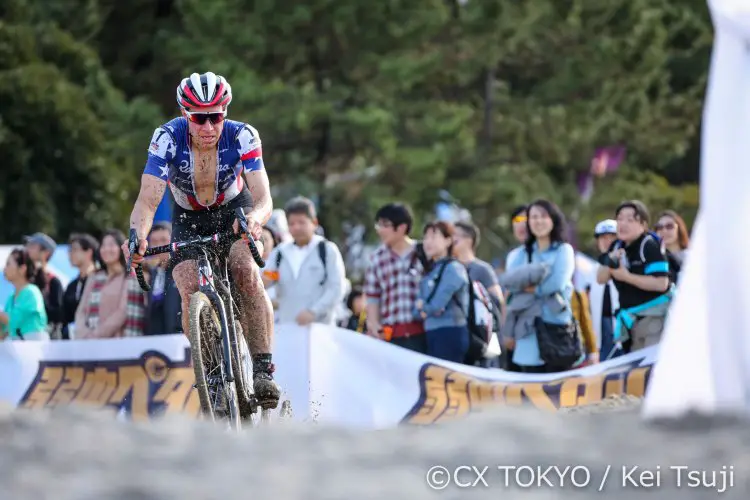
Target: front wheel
218,396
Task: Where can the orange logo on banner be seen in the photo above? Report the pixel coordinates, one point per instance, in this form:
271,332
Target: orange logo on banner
151,384
447,394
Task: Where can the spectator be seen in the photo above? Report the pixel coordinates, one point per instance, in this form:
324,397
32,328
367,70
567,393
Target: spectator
355,303
41,247
279,225
638,266
309,271
444,296
392,281
270,240
113,303
674,234
546,245
163,303
24,317
518,219
603,298
518,223
579,303
83,254
465,242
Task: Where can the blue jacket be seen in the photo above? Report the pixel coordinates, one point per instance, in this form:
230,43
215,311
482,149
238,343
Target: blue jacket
450,303
559,282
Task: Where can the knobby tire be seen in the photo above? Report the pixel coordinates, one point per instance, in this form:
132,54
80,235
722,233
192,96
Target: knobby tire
200,305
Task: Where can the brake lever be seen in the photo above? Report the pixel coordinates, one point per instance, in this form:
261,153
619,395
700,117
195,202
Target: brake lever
241,220
133,249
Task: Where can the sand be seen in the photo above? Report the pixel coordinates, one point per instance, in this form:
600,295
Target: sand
70,454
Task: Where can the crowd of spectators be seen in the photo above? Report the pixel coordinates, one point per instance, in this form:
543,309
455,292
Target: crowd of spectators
430,294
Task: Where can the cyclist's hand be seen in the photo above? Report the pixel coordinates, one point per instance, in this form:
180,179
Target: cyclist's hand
138,256
254,228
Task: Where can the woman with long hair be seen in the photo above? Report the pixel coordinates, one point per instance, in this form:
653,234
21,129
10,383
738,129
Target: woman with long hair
674,234
113,304
24,317
546,244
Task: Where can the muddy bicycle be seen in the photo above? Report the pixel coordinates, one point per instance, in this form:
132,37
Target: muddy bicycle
220,355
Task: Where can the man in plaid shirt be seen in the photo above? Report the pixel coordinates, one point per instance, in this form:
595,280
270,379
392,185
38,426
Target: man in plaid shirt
392,281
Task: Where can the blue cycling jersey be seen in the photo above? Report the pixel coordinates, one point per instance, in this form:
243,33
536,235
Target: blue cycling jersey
170,158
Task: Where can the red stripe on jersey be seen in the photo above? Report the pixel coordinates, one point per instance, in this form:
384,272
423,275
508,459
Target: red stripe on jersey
255,153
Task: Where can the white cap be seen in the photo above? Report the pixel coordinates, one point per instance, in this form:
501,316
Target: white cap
608,226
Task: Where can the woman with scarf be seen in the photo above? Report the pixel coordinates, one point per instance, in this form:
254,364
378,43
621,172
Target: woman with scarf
113,304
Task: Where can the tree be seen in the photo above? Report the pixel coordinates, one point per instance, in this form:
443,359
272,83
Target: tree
68,136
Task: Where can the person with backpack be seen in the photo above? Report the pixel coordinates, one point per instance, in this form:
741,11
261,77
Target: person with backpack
308,272
443,299
488,299
637,264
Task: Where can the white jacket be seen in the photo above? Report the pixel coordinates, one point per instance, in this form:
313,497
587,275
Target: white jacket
596,299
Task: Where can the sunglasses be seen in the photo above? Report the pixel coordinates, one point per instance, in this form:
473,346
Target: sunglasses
519,218
201,118
668,226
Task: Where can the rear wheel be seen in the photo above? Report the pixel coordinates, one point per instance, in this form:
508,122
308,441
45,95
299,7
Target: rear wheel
218,397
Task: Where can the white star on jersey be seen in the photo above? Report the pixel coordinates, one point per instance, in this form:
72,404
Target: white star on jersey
164,171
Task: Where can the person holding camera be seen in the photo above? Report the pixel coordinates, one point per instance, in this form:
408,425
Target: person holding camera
638,266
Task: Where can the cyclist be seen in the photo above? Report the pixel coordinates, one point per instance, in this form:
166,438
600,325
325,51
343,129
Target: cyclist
212,165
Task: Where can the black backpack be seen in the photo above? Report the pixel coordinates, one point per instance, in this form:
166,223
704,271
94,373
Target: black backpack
483,320
321,254
479,333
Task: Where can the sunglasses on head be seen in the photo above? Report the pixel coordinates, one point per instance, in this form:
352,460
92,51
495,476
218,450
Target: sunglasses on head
201,118
668,226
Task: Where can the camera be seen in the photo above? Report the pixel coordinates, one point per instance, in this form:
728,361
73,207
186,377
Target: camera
610,262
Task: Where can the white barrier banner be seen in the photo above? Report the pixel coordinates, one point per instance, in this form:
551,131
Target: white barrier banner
363,382
137,377
330,375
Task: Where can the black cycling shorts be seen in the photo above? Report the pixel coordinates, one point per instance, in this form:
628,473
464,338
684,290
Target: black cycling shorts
188,224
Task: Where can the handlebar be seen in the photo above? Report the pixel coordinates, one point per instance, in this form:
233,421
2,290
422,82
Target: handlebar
201,240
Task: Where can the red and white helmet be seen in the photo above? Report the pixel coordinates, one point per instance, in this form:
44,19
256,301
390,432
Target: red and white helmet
204,91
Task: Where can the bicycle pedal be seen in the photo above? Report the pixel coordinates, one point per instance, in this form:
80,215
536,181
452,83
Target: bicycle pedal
268,404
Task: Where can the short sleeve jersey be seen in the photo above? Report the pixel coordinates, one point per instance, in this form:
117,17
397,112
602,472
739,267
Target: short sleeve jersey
646,257
170,158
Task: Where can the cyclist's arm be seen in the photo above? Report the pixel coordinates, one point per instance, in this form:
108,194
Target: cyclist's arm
151,194
256,178
153,182
260,190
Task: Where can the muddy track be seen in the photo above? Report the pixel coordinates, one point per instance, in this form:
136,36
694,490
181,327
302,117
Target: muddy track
73,454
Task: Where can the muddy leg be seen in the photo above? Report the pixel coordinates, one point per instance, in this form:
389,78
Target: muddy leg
256,315
185,275
255,310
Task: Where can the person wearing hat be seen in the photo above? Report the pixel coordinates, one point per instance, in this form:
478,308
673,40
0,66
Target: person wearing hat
41,247
603,299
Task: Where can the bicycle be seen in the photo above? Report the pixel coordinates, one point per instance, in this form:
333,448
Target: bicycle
222,365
